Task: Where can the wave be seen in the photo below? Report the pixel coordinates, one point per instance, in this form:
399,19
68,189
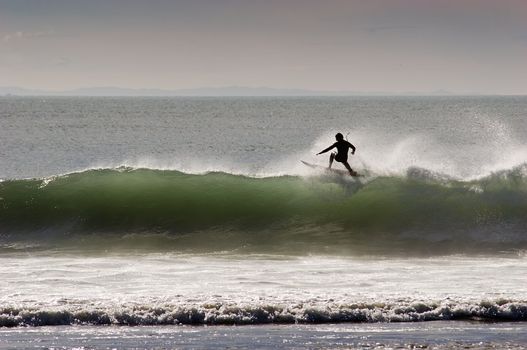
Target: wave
169,209
217,313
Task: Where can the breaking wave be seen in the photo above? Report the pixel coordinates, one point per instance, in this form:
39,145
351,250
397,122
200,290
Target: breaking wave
173,210
233,314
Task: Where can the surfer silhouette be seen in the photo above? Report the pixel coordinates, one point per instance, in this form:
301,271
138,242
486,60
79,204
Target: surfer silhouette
342,153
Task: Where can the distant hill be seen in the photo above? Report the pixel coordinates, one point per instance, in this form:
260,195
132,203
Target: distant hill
220,91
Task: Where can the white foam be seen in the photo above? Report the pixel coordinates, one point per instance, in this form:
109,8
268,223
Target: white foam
218,313
230,289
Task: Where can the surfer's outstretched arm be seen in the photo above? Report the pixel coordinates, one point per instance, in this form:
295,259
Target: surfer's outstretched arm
327,149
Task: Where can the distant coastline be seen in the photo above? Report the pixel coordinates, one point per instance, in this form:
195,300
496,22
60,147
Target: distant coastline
218,91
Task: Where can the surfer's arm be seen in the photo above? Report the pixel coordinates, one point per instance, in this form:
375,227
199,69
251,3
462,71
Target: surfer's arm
353,148
327,149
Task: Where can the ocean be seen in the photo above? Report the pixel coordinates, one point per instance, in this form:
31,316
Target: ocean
192,223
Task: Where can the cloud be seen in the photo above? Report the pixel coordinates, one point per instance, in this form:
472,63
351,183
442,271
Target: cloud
20,35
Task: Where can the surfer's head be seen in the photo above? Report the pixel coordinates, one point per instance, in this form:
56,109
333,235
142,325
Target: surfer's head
339,137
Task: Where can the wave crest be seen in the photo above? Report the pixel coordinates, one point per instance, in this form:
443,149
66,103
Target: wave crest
165,206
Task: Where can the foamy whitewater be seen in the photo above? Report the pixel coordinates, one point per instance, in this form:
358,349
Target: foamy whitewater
197,211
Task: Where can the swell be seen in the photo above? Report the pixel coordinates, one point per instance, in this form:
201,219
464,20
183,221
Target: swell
142,205
217,313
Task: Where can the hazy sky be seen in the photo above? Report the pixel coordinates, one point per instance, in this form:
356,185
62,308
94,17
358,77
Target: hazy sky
476,46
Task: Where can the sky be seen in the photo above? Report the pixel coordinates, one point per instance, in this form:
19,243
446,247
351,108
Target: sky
393,46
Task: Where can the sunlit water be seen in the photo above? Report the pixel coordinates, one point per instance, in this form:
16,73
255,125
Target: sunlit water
214,261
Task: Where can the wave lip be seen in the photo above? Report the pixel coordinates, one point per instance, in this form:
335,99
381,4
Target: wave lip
230,314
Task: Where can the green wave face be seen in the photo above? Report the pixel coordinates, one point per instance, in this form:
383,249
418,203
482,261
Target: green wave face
171,210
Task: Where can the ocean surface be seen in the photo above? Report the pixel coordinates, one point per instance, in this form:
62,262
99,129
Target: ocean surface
192,223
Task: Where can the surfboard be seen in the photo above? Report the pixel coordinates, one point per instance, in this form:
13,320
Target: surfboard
326,169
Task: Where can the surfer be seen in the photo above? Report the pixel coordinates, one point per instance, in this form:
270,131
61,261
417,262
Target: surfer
342,153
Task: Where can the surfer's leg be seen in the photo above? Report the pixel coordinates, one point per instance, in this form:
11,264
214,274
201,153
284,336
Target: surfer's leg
352,173
331,158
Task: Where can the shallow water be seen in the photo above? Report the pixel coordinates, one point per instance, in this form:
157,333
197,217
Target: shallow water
430,335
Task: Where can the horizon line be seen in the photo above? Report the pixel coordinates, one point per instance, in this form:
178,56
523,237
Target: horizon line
228,91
